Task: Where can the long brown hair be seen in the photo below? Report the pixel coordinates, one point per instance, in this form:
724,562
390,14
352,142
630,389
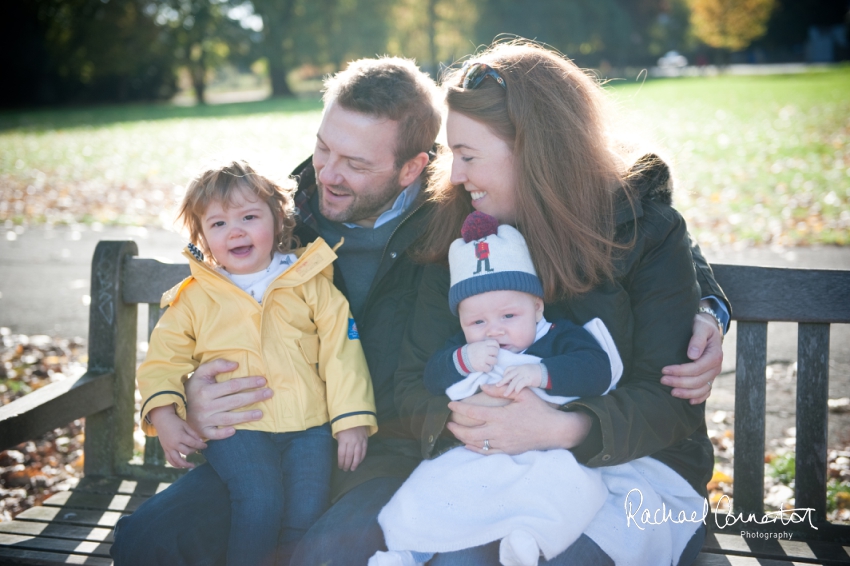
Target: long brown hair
552,114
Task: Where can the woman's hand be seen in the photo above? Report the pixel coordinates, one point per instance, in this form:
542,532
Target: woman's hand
352,447
693,381
528,423
210,405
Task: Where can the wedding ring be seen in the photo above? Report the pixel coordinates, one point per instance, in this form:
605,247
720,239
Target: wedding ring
486,445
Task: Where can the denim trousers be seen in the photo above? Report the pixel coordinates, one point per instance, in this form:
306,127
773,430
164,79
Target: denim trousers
279,485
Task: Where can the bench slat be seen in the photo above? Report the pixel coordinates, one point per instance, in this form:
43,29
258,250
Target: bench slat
58,545
125,486
97,501
750,382
710,559
70,532
779,294
732,543
71,516
12,555
145,280
812,397
154,454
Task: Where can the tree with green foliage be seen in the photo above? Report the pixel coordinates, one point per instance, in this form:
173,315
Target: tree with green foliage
730,24
432,32
201,32
87,51
585,30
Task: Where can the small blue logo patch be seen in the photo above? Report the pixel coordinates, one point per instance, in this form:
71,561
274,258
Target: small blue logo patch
352,330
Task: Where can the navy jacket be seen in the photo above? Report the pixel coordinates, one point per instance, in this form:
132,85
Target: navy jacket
577,364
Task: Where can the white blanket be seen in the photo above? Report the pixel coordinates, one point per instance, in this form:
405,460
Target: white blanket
643,485
463,499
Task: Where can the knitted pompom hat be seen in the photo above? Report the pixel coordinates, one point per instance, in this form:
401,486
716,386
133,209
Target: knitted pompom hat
490,257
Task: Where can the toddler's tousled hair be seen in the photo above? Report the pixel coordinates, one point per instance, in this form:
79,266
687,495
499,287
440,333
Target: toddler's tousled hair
219,184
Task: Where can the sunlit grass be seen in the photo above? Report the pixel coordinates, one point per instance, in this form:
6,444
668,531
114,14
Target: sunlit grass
131,166
760,159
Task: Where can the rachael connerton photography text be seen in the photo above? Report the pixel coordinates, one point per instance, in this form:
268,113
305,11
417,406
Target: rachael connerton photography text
634,513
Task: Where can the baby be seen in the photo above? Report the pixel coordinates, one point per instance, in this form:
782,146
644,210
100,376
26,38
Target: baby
533,502
253,300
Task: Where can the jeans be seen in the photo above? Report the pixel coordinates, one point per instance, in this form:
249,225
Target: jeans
348,533
279,485
186,524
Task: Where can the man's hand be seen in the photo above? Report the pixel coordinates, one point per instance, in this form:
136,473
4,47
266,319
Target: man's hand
176,437
482,355
210,405
518,378
352,447
693,381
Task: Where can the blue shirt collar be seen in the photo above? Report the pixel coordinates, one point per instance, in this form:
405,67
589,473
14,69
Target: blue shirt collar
401,204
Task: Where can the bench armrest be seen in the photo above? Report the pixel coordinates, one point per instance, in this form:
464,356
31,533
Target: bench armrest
53,406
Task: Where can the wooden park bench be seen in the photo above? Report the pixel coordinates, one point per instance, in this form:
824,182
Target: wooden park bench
76,526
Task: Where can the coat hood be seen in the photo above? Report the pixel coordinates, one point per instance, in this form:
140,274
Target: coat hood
317,257
649,179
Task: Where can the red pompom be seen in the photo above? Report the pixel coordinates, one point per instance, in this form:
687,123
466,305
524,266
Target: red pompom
478,225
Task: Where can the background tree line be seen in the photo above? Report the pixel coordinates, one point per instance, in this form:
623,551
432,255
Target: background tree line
81,51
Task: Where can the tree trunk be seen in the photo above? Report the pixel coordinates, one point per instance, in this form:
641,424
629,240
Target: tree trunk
199,80
277,21
432,38
277,74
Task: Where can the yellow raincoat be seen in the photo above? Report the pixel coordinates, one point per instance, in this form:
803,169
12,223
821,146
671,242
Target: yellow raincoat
302,339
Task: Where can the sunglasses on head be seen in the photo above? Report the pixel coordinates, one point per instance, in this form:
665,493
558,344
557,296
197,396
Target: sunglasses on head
475,73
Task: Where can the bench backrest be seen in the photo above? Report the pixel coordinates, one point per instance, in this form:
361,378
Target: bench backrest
814,299
120,282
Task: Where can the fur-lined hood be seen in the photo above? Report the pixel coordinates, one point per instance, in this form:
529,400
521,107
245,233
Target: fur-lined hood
649,179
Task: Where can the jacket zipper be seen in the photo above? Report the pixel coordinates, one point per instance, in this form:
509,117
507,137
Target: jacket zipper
400,224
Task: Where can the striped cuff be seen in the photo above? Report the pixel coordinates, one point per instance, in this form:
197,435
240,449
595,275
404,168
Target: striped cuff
461,360
546,381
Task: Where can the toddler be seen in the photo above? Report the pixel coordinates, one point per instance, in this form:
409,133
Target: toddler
274,310
533,501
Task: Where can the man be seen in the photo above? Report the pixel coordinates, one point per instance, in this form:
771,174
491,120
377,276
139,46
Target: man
365,184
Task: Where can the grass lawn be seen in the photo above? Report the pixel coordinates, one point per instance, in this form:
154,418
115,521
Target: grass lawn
757,159
760,159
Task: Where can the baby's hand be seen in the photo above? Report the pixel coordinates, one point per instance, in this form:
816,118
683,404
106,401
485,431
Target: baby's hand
518,378
175,436
482,355
352,447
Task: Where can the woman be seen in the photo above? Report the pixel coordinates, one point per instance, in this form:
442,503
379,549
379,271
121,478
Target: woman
529,146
